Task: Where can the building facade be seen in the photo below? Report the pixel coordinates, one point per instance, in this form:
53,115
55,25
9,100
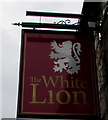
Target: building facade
99,13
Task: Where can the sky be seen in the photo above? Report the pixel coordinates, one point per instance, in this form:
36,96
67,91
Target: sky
10,36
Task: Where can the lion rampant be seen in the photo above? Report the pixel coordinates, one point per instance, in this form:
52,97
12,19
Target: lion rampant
63,56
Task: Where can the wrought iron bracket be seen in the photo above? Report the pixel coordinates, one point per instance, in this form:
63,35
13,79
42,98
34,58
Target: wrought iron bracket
62,24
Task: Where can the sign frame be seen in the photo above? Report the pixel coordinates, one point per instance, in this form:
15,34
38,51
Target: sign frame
52,116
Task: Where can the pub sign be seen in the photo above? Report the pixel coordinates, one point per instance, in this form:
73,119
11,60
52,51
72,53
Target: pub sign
57,75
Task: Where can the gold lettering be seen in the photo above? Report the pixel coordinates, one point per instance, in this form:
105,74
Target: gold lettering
72,84
33,79
64,83
34,97
84,84
76,97
51,97
77,83
47,82
59,99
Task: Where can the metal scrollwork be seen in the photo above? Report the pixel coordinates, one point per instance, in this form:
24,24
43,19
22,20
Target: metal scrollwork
67,21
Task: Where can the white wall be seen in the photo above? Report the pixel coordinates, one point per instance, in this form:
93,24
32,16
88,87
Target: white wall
11,39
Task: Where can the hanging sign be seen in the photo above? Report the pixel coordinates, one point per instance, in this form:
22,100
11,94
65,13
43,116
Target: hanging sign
57,75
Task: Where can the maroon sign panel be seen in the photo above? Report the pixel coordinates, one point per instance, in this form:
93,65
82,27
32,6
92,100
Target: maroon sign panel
57,75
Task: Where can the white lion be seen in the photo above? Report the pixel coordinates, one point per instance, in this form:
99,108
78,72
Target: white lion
63,56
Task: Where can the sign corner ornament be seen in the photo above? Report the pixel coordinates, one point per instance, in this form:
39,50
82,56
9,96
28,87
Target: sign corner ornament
57,76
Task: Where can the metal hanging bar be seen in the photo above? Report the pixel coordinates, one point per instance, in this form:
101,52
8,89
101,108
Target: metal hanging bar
61,15
47,25
80,26
51,14
53,26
